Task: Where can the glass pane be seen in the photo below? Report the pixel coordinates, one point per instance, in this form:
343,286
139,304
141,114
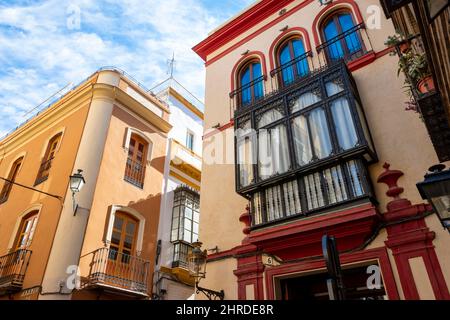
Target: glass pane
352,40
299,50
274,207
269,116
118,223
320,133
305,100
273,151
287,71
246,94
246,159
115,238
302,144
195,229
314,192
334,87
194,237
258,90
343,121
188,225
335,185
113,254
292,198
128,243
131,226
188,213
196,216
334,48
187,236
356,179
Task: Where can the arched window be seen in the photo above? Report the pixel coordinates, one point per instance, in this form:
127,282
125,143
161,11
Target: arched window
342,37
26,231
136,161
251,82
7,186
46,163
292,60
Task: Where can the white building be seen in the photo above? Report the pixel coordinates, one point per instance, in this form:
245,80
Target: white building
179,213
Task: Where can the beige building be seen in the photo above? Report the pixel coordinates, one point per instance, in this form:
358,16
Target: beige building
115,131
305,126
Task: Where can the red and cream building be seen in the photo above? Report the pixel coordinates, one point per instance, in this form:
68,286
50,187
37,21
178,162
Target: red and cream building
306,134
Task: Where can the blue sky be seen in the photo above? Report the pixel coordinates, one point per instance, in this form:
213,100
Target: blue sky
45,45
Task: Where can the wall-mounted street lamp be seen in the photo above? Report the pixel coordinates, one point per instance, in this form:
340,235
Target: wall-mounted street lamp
436,189
197,269
76,184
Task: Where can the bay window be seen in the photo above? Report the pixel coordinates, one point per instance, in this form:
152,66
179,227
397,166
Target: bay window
304,148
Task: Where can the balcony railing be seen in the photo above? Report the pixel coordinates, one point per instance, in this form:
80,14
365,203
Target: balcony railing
348,45
13,267
135,173
249,93
110,268
181,252
311,193
293,70
43,172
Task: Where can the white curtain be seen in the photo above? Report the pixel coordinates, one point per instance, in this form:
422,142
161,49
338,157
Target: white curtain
355,177
302,143
320,133
269,117
273,151
335,185
245,161
333,88
305,100
314,193
343,121
274,207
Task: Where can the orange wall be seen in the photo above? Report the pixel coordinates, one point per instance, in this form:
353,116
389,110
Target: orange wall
21,199
111,189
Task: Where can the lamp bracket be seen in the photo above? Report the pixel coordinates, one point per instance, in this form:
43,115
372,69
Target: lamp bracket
210,294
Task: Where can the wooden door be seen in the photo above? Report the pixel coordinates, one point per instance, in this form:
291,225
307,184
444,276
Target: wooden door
120,269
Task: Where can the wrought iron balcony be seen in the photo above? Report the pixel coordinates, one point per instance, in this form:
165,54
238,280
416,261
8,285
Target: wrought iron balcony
135,173
249,94
118,271
13,268
292,71
348,45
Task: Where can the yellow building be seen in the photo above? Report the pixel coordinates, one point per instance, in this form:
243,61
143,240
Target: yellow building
115,131
306,135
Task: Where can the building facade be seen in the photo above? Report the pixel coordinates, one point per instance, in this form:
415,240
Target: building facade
306,135
116,132
180,204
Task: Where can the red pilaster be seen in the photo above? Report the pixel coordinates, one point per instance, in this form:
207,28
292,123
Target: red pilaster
409,237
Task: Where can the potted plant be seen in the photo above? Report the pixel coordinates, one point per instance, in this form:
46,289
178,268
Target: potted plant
415,68
397,40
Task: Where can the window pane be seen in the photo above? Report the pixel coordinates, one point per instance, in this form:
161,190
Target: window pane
285,57
299,50
356,178
320,133
115,238
257,209
188,213
352,40
195,229
187,236
302,144
334,48
188,225
118,223
273,151
292,198
246,159
269,116
196,216
343,121
334,87
305,100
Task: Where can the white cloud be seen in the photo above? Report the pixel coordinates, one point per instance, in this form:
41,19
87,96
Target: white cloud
39,54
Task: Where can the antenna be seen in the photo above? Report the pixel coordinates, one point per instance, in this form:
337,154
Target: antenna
171,64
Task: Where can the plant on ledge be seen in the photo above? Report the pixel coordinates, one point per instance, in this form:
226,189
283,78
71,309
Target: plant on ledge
398,41
415,67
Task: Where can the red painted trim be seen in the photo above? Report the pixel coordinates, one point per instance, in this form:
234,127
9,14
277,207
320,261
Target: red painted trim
325,12
242,61
287,33
256,33
238,25
220,129
363,61
379,254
